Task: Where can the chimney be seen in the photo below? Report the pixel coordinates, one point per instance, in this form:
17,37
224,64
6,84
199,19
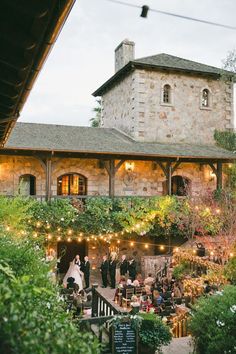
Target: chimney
123,54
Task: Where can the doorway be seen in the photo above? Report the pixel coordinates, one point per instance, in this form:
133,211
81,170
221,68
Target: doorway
67,252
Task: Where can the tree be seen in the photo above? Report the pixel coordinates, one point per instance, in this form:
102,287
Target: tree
96,121
230,62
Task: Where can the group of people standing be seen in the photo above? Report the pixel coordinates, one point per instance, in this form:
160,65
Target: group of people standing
108,267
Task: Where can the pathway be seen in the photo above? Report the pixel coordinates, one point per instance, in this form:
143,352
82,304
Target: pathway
182,345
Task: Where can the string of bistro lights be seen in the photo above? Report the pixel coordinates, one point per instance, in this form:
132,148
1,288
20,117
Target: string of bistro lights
145,9
70,235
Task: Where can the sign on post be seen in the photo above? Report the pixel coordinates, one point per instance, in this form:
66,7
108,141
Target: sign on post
124,339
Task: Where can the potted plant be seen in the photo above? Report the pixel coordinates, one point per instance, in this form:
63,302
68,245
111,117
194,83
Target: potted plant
153,333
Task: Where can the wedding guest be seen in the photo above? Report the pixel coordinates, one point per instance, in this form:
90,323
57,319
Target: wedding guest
123,265
176,291
120,287
128,285
157,298
132,269
135,305
149,280
104,270
86,270
112,272
140,279
136,283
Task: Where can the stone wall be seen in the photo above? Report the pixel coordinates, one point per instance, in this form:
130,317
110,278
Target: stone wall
147,179
134,106
119,108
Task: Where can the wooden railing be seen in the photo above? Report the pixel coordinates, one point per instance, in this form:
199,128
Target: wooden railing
101,306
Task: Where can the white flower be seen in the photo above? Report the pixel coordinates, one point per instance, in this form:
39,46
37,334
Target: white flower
233,308
220,323
62,219
5,319
48,305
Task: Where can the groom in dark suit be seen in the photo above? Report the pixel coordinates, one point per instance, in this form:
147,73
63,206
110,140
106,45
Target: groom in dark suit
86,270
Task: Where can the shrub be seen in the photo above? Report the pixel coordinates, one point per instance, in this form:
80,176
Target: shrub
230,270
32,315
180,270
213,324
153,332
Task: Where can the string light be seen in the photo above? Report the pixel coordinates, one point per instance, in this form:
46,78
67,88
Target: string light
231,254
218,211
48,226
59,229
118,241
8,228
212,253
35,234
79,239
70,232
146,245
38,224
162,248
59,238
176,249
69,239
131,244
49,237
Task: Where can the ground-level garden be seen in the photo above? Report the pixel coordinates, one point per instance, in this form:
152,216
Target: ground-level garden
197,234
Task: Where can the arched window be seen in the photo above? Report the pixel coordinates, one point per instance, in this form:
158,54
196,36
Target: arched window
71,184
205,99
180,186
166,94
27,185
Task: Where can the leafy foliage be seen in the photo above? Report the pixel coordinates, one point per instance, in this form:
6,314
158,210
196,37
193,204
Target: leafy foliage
32,316
180,270
230,270
153,332
227,140
96,121
213,324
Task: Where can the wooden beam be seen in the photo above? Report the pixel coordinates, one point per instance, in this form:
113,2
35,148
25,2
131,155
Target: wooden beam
48,178
118,165
219,183
214,169
174,168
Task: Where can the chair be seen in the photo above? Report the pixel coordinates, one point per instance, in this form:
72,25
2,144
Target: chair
138,291
128,294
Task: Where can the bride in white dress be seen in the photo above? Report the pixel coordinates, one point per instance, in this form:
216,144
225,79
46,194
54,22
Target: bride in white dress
74,272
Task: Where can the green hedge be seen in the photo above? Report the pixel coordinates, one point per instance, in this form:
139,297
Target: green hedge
213,324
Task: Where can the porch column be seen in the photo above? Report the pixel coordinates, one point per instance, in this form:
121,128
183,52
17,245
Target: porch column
112,178
111,170
48,178
168,177
219,183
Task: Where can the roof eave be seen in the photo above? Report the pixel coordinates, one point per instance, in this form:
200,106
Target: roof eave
152,156
137,65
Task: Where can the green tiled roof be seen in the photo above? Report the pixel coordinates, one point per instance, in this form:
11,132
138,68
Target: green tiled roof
62,138
164,62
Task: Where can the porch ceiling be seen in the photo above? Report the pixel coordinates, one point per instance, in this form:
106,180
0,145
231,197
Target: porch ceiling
28,29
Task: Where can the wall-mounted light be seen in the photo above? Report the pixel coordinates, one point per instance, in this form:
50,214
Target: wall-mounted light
129,166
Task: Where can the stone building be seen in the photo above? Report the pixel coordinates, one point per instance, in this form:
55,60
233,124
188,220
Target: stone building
159,115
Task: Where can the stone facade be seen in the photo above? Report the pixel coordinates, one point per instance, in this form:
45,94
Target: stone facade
147,179
134,105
